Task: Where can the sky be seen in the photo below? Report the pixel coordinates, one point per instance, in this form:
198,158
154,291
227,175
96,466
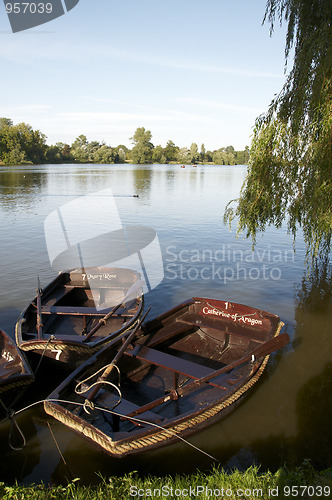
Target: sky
187,70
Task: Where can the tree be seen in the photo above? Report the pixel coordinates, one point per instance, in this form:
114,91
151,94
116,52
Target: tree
224,156
183,155
193,155
158,155
10,148
79,149
91,149
5,122
170,151
20,144
33,143
142,150
121,153
290,168
202,153
103,154
242,157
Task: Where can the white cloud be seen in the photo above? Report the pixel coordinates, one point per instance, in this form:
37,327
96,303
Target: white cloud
100,116
221,105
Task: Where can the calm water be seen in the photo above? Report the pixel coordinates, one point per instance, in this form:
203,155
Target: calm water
287,417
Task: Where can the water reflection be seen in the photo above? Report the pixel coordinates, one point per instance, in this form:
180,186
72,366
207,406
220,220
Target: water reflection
299,428
286,417
18,189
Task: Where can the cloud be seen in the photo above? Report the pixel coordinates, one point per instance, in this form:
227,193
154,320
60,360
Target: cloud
151,114
27,108
32,51
221,105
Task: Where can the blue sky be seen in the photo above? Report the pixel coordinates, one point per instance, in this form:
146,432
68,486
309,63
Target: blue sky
187,70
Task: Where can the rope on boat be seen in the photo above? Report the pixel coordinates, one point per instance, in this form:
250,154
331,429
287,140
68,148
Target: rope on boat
149,440
139,420
109,445
59,450
89,404
81,348
106,443
14,385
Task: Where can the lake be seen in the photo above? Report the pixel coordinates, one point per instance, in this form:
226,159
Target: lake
287,417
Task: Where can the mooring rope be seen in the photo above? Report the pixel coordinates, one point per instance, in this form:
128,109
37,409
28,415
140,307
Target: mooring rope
52,337
59,450
10,414
138,420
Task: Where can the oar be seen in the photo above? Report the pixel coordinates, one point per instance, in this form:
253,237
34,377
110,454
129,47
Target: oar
39,314
138,284
116,358
262,350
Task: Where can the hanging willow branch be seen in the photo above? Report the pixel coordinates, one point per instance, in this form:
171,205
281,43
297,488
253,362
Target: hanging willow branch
290,167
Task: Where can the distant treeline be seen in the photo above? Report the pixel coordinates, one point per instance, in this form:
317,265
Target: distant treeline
21,145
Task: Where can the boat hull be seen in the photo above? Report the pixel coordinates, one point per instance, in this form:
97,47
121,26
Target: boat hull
15,372
71,306
181,374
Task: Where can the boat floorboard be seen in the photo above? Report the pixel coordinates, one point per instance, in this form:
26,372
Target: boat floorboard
125,407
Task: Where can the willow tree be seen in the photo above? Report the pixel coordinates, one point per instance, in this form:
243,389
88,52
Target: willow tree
290,168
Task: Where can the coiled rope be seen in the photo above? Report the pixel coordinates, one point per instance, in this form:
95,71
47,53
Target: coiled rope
89,404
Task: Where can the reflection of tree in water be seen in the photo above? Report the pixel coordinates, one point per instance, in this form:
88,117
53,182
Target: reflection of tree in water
17,188
314,408
143,181
15,465
310,378
314,403
315,293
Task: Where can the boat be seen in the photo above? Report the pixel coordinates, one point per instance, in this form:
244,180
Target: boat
15,373
77,313
180,372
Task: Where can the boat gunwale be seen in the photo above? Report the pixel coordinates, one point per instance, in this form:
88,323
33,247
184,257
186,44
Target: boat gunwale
46,342
154,435
183,425
24,375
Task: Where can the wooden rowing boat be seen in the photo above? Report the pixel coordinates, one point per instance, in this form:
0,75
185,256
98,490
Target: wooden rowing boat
15,372
183,371
79,312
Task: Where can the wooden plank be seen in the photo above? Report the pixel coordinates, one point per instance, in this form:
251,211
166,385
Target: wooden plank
227,327
169,331
74,311
170,362
84,311
57,295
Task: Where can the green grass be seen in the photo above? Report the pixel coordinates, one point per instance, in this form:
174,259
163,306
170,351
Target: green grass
303,482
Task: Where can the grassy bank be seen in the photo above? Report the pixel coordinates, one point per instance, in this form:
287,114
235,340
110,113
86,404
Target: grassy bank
303,482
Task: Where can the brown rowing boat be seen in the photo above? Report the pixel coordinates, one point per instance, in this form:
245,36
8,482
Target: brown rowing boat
15,372
79,312
179,373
